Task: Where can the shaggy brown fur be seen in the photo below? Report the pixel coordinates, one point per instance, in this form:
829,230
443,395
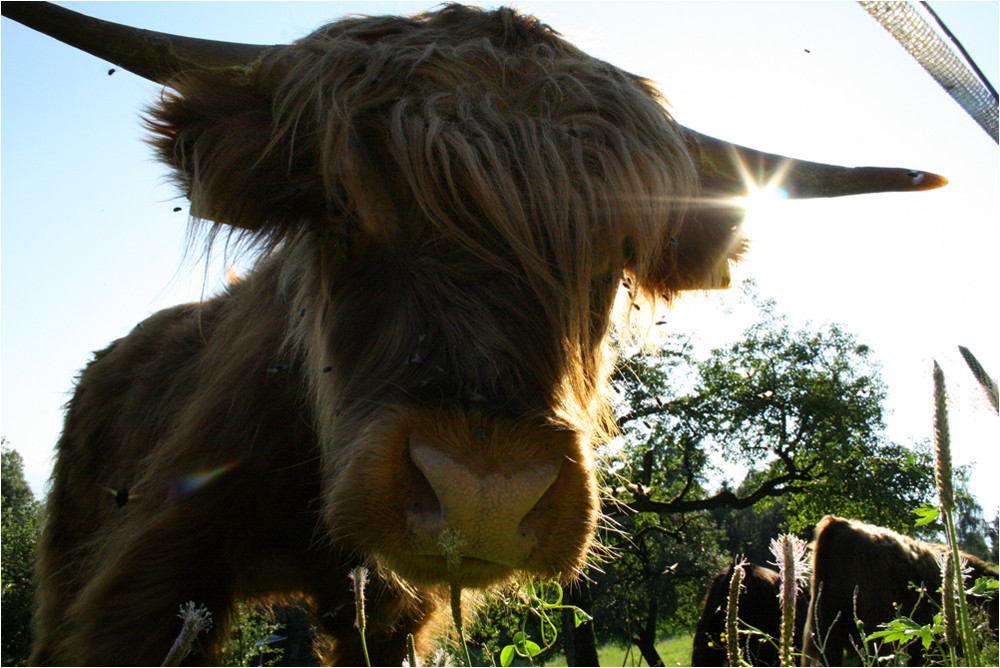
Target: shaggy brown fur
883,567
444,206
759,608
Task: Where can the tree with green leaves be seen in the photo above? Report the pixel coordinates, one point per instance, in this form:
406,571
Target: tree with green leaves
21,525
654,584
798,410
993,531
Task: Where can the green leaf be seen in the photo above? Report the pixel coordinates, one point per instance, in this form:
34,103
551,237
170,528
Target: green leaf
507,655
927,515
903,630
984,587
523,646
580,616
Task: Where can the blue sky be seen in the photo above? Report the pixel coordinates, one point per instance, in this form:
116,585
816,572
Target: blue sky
91,243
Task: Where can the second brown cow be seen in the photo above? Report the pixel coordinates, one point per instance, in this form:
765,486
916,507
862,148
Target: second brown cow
759,609
873,574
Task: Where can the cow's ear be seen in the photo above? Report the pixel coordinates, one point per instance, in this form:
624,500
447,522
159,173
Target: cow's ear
216,129
696,254
710,241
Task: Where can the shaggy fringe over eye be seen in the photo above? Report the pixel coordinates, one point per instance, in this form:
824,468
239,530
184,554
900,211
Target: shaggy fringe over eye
481,128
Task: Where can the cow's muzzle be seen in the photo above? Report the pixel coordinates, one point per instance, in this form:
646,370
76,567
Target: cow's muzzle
456,511
446,496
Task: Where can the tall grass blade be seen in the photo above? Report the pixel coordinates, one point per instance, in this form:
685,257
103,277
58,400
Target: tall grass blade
359,576
988,384
942,443
196,620
452,545
793,568
948,615
943,477
732,616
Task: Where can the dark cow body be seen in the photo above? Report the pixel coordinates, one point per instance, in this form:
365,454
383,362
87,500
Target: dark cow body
414,375
230,510
759,607
419,357
885,569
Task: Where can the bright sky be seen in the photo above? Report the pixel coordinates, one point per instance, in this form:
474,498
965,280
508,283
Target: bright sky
91,244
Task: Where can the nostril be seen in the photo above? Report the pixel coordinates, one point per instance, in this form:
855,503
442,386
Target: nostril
422,498
532,524
432,470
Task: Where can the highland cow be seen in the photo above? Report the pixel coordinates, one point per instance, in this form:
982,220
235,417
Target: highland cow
759,609
413,378
868,574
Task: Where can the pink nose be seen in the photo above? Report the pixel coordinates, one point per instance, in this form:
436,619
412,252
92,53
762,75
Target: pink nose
482,514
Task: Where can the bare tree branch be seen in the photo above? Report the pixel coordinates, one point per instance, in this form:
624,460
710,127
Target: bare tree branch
659,408
779,486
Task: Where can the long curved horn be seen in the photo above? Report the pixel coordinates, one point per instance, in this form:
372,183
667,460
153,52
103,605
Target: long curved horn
724,168
730,169
152,55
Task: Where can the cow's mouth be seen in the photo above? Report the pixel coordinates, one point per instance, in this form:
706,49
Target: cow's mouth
436,569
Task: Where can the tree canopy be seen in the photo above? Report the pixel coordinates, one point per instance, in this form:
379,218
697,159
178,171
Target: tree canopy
722,450
21,525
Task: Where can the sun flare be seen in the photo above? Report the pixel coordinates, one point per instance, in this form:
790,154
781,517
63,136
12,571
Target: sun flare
762,202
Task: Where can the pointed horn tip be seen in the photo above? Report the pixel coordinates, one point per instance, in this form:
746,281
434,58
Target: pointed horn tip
926,180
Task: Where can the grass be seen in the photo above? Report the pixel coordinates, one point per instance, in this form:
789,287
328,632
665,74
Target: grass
675,651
